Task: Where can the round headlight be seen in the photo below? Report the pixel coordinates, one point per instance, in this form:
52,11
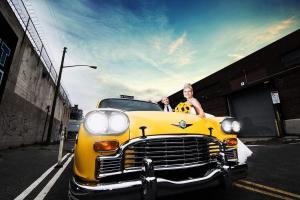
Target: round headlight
226,126
106,122
118,122
236,126
96,122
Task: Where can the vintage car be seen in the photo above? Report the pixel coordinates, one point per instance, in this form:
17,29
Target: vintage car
131,149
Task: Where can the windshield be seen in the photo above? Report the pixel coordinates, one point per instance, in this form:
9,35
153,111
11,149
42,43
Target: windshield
129,105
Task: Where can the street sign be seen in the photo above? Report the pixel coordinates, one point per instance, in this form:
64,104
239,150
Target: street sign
275,97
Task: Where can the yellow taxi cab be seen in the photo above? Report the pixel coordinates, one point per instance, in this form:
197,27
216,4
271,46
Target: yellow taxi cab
131,149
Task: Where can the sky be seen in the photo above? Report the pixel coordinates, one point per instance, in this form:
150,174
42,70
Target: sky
150,48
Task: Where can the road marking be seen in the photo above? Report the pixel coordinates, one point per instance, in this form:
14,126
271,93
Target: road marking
254,145
262,191
295,143
38,181
270,188
50,184
291,139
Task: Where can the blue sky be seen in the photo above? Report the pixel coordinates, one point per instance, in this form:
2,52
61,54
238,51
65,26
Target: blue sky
150,49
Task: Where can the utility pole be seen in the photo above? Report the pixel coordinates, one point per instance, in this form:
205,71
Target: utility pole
55,98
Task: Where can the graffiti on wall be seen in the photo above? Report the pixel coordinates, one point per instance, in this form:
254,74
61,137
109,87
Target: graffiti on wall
8,43
8,123
4,53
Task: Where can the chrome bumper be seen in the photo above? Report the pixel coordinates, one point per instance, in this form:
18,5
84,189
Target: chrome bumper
149,187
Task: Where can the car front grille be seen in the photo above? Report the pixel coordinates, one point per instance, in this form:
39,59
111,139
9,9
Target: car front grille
108,165
170,152
231,154
166,152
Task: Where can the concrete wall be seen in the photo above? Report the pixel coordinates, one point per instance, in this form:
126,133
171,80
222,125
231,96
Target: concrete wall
28,94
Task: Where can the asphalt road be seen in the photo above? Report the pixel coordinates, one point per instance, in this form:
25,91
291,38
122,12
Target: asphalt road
273,174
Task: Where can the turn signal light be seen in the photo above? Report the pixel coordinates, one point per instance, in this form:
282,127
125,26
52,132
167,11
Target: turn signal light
231,141
104,146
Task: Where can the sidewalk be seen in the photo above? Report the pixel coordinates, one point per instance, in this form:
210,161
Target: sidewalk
271,140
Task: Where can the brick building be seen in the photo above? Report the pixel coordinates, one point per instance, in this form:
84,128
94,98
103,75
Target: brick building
262,90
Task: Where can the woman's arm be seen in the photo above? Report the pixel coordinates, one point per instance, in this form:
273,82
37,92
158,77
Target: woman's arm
197,107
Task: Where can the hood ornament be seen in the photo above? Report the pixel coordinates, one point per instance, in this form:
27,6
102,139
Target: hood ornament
182,124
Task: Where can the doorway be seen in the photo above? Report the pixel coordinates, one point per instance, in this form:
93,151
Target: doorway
253,107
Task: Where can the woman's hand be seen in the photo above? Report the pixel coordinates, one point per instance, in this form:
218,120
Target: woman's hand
197,107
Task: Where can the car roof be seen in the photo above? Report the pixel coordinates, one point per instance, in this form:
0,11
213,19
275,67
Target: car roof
128,99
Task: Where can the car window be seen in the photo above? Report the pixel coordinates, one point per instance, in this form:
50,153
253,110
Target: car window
129,105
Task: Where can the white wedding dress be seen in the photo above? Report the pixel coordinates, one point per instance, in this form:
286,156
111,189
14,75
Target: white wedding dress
193,111
243,151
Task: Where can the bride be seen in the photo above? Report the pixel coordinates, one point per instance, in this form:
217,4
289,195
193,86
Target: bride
243,151
196,107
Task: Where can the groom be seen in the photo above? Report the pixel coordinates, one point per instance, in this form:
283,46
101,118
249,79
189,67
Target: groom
167,107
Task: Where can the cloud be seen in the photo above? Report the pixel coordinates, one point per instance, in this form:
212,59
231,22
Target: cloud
140,53
177,43
110,43
240,42
157,44
275,30
115,88
236,56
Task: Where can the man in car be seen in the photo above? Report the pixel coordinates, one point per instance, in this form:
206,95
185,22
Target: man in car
167,107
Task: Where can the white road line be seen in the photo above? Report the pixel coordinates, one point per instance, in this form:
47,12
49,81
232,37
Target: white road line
260,145
50,184
255,145
37,182
295,143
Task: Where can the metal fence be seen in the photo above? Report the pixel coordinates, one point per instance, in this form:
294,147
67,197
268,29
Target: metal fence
27,23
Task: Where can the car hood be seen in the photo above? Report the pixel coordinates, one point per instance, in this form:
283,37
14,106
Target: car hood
165,123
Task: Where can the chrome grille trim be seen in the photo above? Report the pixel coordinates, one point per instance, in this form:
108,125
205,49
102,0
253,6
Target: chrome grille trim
231,154
136,169
112,165
108,165
168,152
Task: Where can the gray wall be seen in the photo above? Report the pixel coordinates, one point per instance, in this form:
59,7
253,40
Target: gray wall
28,94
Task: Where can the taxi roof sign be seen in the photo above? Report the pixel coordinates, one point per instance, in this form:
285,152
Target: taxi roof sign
126,97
